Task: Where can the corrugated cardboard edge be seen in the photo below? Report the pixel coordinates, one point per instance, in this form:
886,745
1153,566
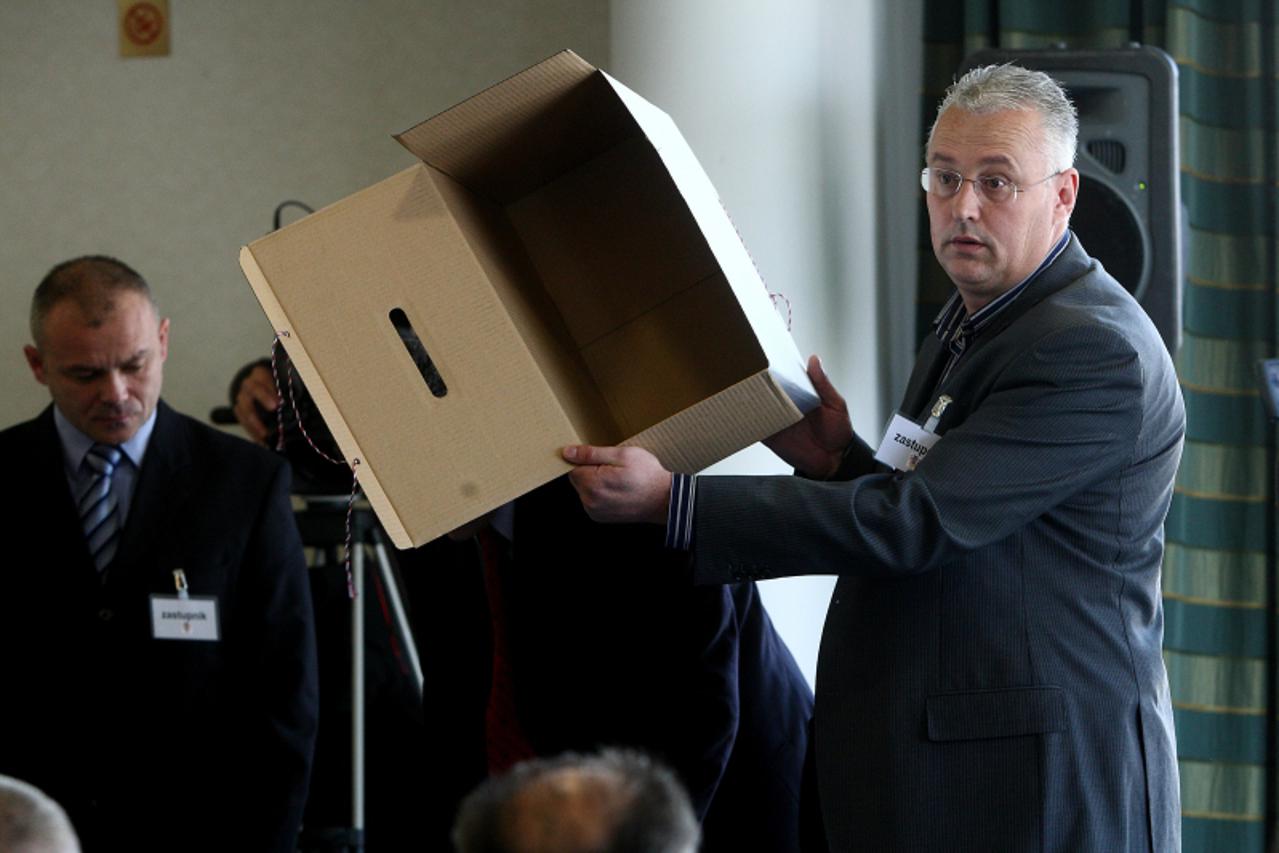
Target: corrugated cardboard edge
714,429
724,241
323,399
516,98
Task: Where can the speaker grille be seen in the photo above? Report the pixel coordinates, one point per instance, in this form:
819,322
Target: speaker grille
1109,153
1110,232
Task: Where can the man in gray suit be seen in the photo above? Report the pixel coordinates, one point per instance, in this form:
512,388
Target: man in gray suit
990,676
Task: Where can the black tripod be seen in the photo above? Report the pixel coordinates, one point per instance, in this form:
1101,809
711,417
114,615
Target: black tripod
322,523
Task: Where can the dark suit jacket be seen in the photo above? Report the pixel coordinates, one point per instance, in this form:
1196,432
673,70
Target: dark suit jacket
990,676
159,744
611,646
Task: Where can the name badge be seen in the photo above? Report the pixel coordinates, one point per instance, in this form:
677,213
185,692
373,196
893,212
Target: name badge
905,444
184,618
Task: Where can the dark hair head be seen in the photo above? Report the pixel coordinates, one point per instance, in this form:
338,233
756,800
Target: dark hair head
91,281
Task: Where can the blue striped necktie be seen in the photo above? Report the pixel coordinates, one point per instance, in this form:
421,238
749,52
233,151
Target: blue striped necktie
99,505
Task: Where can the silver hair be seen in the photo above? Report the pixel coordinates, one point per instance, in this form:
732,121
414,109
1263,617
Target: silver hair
992,88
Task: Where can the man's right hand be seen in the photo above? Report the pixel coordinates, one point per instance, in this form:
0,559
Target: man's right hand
815,446
256,389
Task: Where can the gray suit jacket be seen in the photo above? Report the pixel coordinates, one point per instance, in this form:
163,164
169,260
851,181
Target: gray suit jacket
990,676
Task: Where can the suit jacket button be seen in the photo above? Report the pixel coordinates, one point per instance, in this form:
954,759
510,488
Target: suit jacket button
105,614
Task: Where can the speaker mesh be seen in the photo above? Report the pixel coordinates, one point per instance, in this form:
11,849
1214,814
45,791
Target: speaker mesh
1109,153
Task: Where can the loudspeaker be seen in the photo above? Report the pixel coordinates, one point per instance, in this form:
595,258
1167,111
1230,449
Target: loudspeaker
1128,213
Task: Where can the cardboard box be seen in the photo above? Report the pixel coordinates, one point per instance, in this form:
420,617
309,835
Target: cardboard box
569,271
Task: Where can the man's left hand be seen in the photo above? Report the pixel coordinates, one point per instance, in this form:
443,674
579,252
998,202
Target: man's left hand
620,484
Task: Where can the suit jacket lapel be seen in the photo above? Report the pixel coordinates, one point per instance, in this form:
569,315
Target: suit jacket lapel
923,379
161,493
49,490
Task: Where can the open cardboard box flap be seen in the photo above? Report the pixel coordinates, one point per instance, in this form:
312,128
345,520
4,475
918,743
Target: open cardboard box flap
563,262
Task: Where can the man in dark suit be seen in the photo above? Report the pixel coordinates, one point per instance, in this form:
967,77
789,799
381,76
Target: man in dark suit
156,622
990,676
603,643
694,676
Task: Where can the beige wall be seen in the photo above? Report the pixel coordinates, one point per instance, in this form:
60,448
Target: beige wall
172,163
805,116
803,113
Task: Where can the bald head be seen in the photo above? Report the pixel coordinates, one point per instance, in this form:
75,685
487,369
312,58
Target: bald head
30,822
569,809
613,802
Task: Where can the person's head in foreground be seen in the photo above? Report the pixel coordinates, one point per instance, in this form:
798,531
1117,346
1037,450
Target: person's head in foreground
614,801
31,822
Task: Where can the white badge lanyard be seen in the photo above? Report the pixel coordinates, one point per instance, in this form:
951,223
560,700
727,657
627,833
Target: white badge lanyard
905,443
184,616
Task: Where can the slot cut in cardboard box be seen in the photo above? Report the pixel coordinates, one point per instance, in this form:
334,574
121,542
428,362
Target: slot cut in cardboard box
563,263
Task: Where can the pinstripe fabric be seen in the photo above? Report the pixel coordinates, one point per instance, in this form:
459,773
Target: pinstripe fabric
679,513
990,675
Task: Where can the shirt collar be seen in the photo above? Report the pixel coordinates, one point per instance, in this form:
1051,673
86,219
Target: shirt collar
76,444
953,318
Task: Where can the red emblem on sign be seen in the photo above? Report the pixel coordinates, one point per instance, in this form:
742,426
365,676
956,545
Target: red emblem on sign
143,23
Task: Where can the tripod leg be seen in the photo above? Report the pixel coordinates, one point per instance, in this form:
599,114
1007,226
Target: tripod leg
402,629
357,689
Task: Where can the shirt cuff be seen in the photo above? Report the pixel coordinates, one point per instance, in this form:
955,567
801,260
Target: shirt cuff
679,515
